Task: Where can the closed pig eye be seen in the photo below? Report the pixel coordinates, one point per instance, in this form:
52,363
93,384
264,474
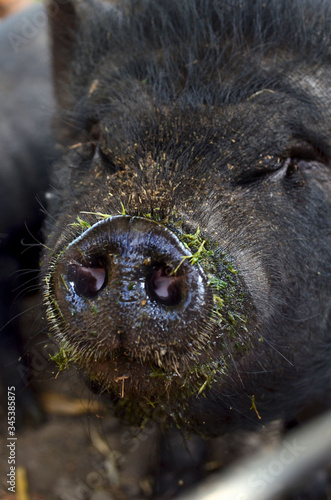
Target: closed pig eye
104,160
299,155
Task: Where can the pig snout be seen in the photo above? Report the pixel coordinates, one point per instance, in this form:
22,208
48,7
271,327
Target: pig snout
134,276
144,312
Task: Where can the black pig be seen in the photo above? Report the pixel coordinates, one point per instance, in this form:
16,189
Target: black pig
188,270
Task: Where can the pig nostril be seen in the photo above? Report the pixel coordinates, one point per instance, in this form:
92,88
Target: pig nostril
87,281
164,287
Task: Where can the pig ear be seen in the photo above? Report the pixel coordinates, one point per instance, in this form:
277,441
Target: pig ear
63,23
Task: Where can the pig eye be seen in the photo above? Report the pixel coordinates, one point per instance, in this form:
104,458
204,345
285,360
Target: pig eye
252,177
285,169
299,155
104,160
249,178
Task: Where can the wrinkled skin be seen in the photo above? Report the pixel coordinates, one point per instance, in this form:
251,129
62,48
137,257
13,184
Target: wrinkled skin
179,118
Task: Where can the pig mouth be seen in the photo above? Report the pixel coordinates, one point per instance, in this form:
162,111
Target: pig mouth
129,378
124,377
